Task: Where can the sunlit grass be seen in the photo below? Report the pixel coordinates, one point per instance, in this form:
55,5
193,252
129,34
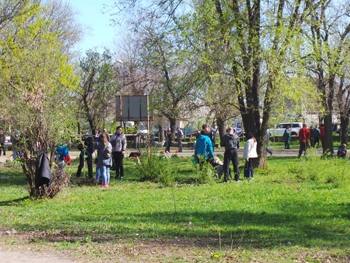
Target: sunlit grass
294,204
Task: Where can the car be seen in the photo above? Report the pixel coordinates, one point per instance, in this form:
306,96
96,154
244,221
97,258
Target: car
8,142
279,129
142,130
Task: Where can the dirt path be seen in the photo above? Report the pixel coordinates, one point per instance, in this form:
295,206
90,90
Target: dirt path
32,257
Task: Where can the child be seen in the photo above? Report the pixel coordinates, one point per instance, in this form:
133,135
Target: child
342,151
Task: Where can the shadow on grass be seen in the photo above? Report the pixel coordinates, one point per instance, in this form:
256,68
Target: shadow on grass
236,228
12,176
14,202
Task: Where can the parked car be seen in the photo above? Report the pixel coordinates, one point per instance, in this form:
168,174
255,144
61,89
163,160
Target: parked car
8,143
279,129
142,130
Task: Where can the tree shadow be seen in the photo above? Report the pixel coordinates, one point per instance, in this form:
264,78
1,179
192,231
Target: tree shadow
14,202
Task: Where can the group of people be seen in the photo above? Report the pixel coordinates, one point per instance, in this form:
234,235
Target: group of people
204,151
110,152
313,135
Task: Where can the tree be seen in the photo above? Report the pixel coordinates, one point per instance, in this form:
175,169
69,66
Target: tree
328,41
98,88
169,63
36,82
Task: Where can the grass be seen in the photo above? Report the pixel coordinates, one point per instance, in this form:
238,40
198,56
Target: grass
296,210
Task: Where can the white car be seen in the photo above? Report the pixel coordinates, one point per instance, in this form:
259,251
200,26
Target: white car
143,130
8,142
279,129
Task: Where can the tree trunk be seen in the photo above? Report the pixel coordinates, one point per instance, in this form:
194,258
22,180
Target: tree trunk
221,126
328,137
344,124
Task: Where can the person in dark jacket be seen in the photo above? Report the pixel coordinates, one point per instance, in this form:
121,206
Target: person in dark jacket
168,139
231,143
341,153
118,141
86,148
2,142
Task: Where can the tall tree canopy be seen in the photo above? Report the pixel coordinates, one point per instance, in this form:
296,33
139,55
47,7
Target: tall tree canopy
36,83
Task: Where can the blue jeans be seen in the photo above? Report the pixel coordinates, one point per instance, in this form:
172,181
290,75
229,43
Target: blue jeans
287,144
98,173
105,174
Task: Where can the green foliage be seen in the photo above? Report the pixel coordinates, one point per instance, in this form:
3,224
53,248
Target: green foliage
205,172
97,90
36,84
156,169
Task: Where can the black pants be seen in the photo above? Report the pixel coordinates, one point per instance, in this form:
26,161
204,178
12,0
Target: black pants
231,156
303,147
248,168
167,146
118,160
82,163
179,143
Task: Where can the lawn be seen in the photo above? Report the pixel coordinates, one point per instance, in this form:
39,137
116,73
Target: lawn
296,210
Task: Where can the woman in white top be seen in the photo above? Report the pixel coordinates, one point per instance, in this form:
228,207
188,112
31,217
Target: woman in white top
248,154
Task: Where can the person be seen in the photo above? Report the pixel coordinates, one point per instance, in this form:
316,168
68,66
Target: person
168,138
180,136
315,136
342,151
97,135
249,153
2,142
16,148
63,155
204,146
268,150
104,158
304,138
86,148
118,141
322,136
286,137
212,135
231,143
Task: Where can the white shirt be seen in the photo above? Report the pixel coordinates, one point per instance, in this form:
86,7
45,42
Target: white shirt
250,149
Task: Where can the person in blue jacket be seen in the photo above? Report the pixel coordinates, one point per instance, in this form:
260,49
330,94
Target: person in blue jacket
204,146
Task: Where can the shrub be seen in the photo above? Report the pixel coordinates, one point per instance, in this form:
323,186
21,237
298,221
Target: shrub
156,169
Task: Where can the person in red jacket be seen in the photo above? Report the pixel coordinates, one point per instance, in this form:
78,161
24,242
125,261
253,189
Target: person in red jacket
322,135
304,138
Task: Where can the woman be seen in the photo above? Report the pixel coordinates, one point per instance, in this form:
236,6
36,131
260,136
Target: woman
104,158
249,153
118,142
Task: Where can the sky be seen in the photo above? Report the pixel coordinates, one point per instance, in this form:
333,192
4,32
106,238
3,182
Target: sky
98,30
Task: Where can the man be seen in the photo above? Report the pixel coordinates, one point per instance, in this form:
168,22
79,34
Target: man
268,150
118,141
322,136
231,143
86,150
2,142
315,136
286,136
168,139
204,146
179,138
304,138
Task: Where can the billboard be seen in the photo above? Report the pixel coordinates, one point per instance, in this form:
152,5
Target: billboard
133,108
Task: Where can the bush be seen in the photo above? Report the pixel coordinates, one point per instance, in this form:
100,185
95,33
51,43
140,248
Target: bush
156,169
